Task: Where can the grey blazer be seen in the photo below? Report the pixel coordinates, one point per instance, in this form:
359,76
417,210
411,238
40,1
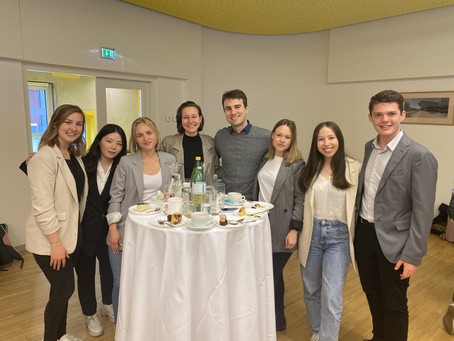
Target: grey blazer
288,201
404,201
127,184
173,144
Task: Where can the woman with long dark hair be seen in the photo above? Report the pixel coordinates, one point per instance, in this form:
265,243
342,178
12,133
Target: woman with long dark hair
325,246
100,162
58,186
277,183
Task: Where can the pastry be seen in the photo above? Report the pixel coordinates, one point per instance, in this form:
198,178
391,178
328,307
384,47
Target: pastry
175,218
142,206
223,220
242,211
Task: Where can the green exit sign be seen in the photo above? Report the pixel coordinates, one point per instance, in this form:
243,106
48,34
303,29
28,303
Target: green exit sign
107,53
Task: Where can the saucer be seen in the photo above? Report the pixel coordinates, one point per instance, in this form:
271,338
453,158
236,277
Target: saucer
239,203
154,221
190,226
152,209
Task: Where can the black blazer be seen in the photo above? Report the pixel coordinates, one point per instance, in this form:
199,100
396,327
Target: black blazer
94,223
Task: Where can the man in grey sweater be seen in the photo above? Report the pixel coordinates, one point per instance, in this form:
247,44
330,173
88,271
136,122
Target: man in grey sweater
241,146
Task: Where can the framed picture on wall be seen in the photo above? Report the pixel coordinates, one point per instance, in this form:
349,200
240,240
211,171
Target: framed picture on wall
429,107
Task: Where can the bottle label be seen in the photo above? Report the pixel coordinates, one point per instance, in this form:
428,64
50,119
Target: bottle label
198,188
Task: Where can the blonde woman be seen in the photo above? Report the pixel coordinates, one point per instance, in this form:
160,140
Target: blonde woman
59,187
277,183
138,178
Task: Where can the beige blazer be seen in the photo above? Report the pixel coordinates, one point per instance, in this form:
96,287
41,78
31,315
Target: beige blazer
173,144
55,207
304,240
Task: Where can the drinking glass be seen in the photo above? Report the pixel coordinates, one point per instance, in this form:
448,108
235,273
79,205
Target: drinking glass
220,192
168,191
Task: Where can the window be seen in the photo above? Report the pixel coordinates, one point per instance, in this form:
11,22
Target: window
41,109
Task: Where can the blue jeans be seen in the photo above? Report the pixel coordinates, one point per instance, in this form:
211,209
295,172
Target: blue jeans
324,277
115,264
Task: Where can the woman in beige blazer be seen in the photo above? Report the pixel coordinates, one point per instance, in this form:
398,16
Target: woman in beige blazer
325,246
189,143
58,186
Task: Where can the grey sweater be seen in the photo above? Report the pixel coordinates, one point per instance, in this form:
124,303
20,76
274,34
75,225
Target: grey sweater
242,154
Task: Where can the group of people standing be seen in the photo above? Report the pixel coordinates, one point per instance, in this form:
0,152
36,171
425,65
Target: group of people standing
331,209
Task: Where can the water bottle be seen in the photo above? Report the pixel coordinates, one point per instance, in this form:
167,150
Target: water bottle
198,183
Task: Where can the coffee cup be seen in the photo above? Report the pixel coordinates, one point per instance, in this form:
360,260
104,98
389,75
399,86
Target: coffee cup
200,218
235,197
173,205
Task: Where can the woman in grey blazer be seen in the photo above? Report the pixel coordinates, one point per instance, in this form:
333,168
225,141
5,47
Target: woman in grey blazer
58,186
189,143
138,178
277,183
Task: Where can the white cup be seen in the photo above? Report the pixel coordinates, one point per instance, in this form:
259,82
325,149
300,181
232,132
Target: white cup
235,197
200,218
173,205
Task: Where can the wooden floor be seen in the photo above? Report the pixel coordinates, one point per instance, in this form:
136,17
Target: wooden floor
23,295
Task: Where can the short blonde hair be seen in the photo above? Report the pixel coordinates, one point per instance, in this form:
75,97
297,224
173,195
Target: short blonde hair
293,153
133,140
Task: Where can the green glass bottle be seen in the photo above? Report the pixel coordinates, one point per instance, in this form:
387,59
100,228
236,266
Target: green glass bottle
198,183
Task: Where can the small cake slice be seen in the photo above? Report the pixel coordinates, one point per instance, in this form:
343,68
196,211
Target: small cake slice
176,218
223,220
142,206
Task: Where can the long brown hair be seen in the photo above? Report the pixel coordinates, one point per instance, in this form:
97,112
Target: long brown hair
293,153
50,136
316,160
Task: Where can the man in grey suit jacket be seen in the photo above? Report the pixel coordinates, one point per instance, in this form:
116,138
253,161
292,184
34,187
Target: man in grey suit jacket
394,203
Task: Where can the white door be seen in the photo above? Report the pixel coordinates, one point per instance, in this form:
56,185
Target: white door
121,102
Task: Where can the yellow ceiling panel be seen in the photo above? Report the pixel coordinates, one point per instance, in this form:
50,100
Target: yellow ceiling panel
284,16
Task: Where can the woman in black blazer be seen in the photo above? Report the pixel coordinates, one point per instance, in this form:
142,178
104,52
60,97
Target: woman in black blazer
100,163
277,183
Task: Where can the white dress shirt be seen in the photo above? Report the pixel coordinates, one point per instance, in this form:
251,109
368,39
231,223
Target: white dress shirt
374,171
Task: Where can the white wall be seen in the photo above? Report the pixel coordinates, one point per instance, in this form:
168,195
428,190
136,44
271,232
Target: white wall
63,35
287,77
283,76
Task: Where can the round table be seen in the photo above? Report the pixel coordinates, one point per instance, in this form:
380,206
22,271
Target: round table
178,284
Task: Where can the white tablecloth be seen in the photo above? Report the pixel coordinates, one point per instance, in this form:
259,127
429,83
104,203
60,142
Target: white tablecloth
178,284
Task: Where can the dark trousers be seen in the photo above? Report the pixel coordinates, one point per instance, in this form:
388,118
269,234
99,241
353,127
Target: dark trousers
86,273
61,289
385,291
279,261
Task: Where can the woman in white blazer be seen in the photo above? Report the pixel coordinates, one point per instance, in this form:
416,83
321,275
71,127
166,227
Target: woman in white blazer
138,178
277,183
325,246
189,143
58,186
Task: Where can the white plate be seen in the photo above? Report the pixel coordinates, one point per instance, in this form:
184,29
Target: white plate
231,218
251,213
156,201
263,205
190,226
154,222
152,209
